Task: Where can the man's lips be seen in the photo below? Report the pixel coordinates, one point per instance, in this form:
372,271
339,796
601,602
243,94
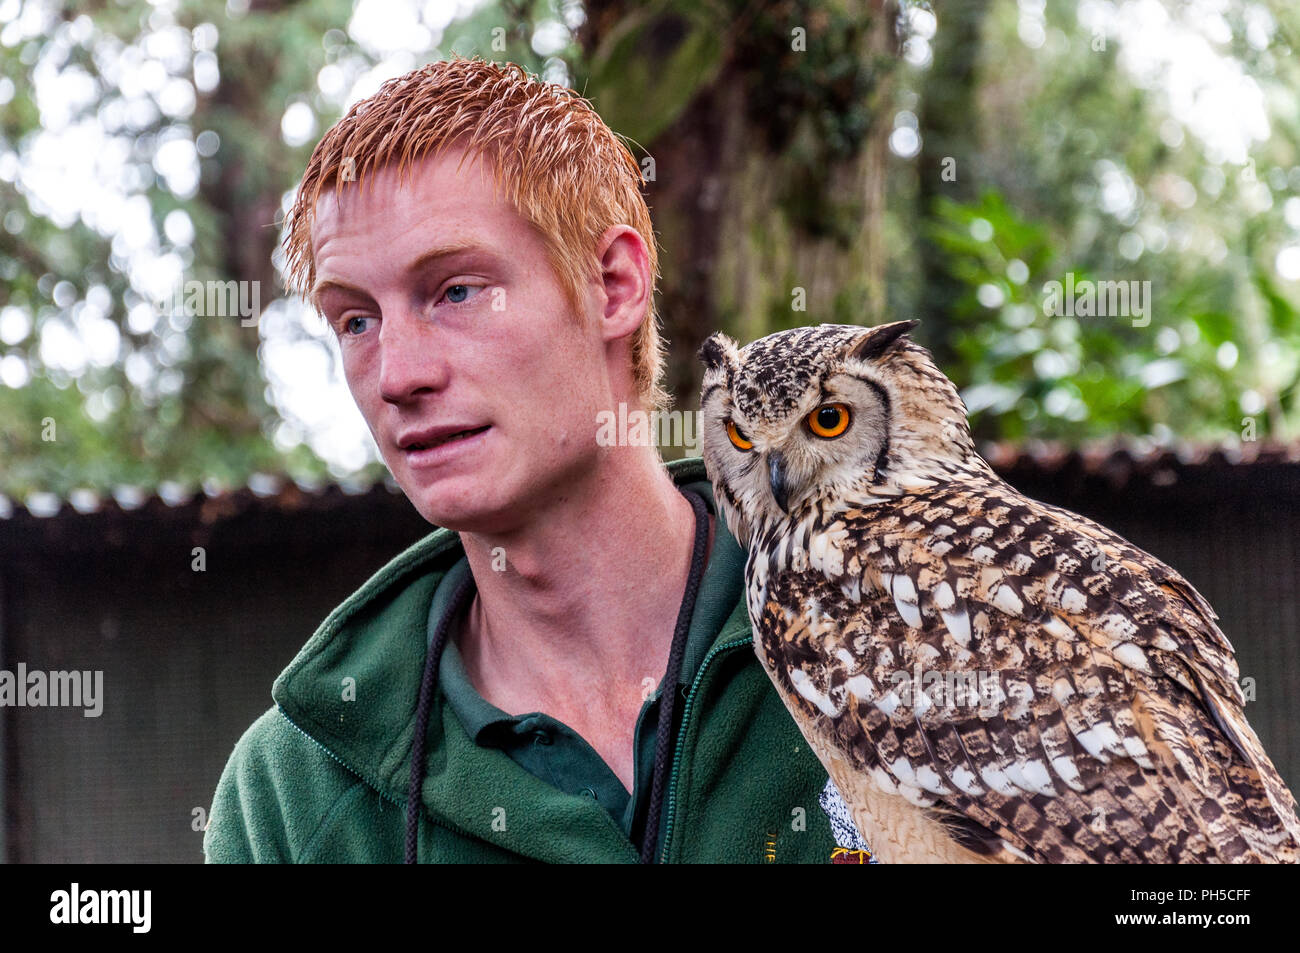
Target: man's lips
437,436
430,450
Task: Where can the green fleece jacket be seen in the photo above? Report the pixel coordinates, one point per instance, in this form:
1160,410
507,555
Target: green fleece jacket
322,776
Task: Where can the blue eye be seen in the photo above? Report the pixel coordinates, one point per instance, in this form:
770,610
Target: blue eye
459,294
348,326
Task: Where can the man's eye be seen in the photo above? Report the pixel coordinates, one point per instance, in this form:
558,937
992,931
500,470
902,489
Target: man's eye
459,293
349,326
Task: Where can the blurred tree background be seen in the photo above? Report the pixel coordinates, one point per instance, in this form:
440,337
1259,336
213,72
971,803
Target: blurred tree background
840,161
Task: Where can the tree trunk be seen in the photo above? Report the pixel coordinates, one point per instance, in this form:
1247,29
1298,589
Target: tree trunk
768,137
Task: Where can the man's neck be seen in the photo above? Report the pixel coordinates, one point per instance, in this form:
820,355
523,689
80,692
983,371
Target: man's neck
575,611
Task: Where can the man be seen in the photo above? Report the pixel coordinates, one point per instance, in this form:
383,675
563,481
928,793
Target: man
478,242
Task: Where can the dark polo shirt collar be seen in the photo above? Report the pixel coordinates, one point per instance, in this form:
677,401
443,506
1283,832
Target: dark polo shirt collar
549,749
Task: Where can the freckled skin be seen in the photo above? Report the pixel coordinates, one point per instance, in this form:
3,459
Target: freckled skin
1077,701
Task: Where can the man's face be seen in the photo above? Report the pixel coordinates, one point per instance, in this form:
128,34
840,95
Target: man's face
449,318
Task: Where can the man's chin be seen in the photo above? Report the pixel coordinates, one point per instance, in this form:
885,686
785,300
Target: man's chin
451,507
464,503
456,520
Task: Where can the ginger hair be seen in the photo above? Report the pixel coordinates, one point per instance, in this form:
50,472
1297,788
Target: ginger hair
562,169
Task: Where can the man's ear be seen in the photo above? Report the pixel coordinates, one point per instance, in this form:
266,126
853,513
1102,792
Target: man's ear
625,273
717,350
880,339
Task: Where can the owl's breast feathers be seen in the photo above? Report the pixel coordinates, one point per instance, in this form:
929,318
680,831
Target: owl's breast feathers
1018,674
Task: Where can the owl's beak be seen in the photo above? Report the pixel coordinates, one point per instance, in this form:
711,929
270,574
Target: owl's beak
776,479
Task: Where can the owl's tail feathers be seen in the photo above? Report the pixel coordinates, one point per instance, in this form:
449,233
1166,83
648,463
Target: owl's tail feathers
1266,778
1232,722
1229,788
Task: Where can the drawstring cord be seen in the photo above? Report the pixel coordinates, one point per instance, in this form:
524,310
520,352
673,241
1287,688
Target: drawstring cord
668,700
422,716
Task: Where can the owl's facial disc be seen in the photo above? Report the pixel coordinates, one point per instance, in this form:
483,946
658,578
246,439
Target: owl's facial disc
827,421
795,418
830,440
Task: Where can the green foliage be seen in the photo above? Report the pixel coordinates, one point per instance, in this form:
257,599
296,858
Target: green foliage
651,65
1030,373
1078,169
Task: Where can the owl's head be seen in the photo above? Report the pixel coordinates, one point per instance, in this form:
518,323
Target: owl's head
826,413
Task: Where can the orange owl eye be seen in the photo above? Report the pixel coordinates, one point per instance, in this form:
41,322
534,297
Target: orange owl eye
829,420
738,439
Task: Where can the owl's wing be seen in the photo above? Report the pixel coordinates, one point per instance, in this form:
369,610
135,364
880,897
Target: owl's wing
1029,677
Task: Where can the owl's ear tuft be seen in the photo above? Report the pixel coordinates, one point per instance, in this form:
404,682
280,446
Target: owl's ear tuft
717,350
880,339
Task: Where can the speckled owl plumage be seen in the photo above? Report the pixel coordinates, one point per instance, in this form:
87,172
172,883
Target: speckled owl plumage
986,678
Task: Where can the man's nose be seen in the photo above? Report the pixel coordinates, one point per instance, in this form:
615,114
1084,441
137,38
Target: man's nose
411,359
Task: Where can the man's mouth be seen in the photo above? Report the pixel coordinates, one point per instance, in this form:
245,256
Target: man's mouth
438,440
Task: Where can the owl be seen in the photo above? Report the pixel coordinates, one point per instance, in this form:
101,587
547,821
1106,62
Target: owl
986,678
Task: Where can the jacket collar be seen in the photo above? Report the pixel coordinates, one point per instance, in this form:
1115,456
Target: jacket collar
377,638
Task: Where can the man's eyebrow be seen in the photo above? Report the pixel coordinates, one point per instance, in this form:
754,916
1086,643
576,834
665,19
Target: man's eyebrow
446,251
329,284
430,257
